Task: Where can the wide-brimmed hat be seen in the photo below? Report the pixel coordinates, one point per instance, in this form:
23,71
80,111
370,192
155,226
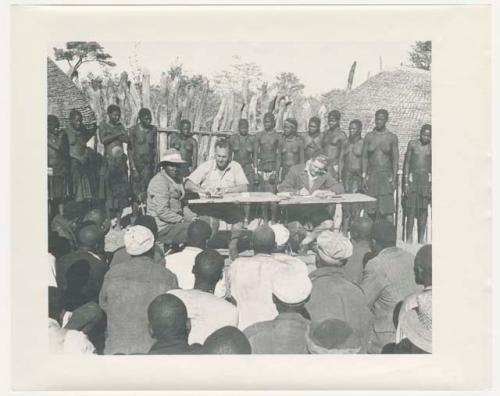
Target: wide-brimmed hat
172,156
416,324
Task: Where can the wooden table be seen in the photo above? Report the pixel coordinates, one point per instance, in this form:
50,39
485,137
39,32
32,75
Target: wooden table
338,199
237,198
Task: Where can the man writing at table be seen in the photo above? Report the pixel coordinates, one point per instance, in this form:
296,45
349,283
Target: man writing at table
311,178
217,177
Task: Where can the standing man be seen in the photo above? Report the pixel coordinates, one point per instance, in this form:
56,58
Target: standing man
242,145
267,163
417,172
350,170
291,148
187,145
78,136
164,195
380,167
113,135
333,140
217,177
142,154
388,278
313,141
58,164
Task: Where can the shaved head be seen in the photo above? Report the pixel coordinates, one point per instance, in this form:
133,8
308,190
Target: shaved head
198,234
99,217
423,266
208,266
263,240
361,229
167,316
226,341
89,235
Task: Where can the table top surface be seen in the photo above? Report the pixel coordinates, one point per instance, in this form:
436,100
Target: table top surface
262,197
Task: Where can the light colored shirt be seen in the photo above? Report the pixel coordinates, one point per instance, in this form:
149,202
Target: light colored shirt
250,280
182,263
206,312
408,304
209,177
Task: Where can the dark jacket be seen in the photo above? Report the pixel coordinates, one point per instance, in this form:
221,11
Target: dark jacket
334,297
128,289
297,178
97,267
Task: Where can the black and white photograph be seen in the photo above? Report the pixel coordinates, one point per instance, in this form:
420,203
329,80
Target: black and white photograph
239,198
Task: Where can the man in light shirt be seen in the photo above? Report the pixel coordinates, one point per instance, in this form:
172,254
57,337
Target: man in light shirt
250,279
206,311
217,177
182,263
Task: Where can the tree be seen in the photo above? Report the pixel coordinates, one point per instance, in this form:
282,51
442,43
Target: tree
79,52
288,84
421,55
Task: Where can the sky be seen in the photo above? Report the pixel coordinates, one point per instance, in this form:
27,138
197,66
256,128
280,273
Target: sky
321,66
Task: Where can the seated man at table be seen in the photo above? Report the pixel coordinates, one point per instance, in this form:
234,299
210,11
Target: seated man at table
164,200
310,179
217,177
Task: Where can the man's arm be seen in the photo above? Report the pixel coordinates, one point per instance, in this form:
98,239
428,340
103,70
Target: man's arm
130,150
236,189
406,164
343,144
371,285
159,203
241,181
278,161
301,151
256,151
364,155
395,158
289,184
195,153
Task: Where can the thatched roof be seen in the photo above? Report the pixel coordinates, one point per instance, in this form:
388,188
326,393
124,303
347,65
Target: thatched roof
63,96
405,93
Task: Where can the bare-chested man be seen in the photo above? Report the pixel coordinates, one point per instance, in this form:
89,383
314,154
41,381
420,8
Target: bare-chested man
58,165
113,135
417,182
291,148
350,169
380,167
313,141
78,136
187,145
267,162
242,145
333,139
142,154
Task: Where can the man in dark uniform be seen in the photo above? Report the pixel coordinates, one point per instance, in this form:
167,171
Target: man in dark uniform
417,182
291,148
380,167
142,154
333,140
313,141
186,144
267,162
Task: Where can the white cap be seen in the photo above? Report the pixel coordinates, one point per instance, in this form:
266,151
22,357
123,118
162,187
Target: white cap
173,156
333,247
292,285
138,240
281,234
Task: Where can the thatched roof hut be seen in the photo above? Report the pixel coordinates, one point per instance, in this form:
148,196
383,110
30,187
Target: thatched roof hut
63,96
405,93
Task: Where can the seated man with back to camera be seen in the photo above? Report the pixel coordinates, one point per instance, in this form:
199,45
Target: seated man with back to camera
311,178
217,177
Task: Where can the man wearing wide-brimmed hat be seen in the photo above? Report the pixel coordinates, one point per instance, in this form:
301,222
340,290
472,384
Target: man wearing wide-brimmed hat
164,195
